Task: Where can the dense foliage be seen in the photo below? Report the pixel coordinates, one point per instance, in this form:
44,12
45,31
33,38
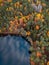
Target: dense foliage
31,19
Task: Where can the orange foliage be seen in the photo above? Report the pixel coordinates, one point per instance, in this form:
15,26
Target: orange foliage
32,63
37,27
39,54
9,0
28,33
48,33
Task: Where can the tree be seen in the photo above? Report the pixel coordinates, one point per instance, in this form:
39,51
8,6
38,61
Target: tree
29,18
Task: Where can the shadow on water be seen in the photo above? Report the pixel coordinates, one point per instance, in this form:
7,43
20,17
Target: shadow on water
14,51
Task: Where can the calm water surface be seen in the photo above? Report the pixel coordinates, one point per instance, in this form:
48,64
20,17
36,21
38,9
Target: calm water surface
14,51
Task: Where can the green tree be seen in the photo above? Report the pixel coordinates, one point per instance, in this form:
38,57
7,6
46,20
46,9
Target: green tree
29,18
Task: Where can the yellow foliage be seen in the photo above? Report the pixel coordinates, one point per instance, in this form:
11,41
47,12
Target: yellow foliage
10,8
10,29
38,2
48,13
1,1
28,33
46,10
7,9
18,3
48,33
27,17
16,17
25,8
28,0
9,0
15,4
43,20
48,63
43,4
24,17
21,14
39,16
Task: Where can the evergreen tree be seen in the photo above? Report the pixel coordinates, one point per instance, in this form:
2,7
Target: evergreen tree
29,18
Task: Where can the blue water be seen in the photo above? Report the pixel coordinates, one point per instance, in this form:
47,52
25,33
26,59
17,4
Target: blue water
14,51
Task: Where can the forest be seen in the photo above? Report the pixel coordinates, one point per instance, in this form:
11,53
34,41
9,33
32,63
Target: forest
30,19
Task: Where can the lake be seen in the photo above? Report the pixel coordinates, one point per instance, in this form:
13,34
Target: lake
14,51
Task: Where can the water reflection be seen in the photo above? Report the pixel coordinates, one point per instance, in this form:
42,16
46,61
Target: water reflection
14,51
